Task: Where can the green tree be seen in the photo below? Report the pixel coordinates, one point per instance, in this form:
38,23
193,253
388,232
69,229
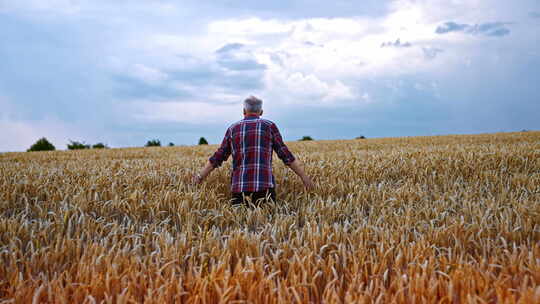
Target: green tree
75,145
171,144
306,138
42,145
153,143
100,146
203,141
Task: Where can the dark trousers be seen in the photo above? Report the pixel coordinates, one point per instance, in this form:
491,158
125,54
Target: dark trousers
254,197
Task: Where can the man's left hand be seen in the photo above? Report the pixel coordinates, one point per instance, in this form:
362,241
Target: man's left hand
196,179
310,186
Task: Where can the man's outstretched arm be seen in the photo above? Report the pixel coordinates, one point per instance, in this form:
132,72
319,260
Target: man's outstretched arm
216,160
198,178
286,156
296,167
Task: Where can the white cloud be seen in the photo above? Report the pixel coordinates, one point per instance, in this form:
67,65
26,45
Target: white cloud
306,87
313,59
248,27
318,56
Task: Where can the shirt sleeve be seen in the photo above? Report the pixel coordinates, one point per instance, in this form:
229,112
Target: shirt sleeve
223,152
279,146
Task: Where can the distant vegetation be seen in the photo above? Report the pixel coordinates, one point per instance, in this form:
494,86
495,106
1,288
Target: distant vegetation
153,143
42,145
305,138
171,144
361,137
75,145
99,146
203,141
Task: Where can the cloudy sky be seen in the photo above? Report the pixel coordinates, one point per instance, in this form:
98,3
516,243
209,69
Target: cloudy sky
123,72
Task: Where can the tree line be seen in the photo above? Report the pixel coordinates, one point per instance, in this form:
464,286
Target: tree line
43,144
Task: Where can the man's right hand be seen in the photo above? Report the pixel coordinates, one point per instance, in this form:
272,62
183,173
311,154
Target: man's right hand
199,178
310,186
295,166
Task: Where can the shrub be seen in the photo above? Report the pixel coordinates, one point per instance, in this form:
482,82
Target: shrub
153,143
75,145
99,146
42,145
361,137
203,141
306,138
171,144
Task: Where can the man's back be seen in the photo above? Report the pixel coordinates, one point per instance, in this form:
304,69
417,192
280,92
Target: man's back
251,142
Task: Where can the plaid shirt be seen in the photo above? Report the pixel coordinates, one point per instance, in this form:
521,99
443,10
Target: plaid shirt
251,141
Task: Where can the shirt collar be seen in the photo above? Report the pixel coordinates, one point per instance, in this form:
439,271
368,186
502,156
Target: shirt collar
251,116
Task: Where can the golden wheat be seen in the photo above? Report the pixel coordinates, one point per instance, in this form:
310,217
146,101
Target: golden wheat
450,219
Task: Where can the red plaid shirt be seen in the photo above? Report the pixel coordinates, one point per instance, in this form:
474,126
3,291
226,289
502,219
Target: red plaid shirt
251,141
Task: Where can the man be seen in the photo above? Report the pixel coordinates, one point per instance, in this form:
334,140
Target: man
251,142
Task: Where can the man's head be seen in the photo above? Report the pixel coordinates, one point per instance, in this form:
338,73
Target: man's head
253,105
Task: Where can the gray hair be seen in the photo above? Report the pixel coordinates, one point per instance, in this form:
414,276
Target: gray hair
252,104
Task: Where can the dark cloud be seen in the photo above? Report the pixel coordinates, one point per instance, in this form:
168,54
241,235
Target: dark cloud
277,59
47,74
240,65
500,32
230,47
535,15
196,81
396,44
493,29
476,101
431,52
127,87
199,75
451,27
237,81
310,43
396,113
289,9
228,74
232,57
233,69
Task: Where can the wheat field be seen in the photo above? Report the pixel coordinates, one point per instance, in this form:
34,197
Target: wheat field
444,219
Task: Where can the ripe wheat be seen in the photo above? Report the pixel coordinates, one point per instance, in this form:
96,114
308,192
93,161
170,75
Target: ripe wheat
450,219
